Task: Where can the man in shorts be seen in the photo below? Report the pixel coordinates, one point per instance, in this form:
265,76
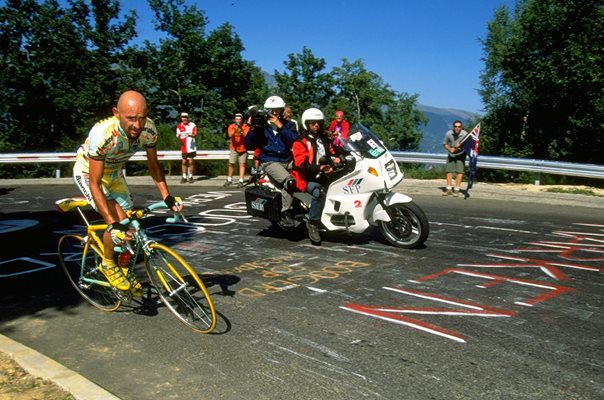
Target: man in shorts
186,132
456,158
98,174
236,132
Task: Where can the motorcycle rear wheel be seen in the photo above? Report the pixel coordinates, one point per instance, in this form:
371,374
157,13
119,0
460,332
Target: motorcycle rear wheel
408,228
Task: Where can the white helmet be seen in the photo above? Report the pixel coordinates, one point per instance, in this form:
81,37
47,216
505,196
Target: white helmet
274,102
312,114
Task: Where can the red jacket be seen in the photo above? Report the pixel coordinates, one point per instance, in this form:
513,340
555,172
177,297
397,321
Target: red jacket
341,128
306,166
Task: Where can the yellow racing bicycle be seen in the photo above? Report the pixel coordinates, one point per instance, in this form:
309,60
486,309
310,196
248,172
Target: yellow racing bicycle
173,279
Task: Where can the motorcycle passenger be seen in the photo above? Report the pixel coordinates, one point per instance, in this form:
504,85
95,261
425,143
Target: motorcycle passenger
313,153
274,136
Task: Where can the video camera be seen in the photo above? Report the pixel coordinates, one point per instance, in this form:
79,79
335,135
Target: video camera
259,116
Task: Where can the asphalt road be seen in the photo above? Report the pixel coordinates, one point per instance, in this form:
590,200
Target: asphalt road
503,302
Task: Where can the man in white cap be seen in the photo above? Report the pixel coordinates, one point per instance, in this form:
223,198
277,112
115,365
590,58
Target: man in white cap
186,131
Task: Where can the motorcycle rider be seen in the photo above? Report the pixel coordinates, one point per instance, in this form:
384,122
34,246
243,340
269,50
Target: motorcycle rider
274,137
314,153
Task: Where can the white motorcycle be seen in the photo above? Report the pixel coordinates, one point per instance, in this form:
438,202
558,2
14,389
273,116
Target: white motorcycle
359,195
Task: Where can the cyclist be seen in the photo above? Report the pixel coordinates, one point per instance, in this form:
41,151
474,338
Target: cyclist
98,174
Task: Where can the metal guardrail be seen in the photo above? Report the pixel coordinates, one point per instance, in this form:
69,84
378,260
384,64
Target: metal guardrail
488,162
512,164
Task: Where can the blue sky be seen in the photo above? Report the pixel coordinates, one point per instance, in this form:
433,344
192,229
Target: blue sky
430,48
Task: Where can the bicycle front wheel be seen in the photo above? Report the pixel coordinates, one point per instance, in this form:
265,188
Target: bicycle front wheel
180,288
80,262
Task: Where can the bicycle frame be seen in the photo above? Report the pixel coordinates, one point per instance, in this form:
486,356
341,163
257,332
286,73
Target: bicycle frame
171,277
94,241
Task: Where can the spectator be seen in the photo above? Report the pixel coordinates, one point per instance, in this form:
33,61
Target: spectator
274,136
186,131
255,166
287,114
456,158
339,128
236,132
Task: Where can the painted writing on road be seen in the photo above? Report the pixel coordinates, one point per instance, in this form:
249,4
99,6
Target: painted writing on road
283,273
584,246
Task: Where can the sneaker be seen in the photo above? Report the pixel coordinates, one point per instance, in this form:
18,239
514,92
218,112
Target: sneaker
240,184
190,180
447,192
136,289
115,276
227,183
183,180
456,193
313,231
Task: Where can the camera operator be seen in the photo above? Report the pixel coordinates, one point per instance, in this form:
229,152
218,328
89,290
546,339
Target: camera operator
274,136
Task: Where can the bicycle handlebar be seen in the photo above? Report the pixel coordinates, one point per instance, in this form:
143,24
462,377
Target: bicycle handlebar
138,214
177,216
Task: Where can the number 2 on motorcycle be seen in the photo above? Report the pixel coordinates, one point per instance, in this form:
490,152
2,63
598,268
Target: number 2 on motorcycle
357,204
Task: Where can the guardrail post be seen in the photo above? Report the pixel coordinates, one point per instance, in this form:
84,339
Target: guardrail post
58,172
538,179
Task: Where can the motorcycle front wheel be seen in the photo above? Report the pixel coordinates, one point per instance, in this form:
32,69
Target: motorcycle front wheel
408,227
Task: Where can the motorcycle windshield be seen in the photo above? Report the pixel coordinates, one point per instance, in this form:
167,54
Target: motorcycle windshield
362,141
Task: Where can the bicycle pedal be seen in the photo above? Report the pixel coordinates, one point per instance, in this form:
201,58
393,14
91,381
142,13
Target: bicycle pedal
123,295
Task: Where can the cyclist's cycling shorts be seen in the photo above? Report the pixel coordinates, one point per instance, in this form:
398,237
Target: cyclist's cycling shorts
115,189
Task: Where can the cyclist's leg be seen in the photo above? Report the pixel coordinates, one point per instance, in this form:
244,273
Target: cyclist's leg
118,196
119,199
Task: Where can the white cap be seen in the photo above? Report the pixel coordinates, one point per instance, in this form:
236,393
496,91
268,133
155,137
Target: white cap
184,114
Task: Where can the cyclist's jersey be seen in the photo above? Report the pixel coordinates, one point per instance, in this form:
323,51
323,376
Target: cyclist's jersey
108,142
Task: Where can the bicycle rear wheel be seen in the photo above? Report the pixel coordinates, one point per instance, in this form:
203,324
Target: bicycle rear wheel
180,288
80,265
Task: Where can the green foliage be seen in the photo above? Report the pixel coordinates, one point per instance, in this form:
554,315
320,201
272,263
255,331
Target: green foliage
305,84
420,171
543,82
353,89
64,65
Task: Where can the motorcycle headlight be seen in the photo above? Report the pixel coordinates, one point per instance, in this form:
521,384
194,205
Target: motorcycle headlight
391,169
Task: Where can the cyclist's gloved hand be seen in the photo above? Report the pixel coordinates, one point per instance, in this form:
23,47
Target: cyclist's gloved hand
173,203
118,232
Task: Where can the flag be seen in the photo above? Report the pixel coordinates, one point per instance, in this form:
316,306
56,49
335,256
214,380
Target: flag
470,146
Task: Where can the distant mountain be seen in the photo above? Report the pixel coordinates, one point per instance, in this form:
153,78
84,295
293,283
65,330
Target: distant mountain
270,80
440,121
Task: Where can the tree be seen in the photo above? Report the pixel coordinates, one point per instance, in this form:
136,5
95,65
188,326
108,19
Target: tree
543,82
204,75
365,97
56,70
304,83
